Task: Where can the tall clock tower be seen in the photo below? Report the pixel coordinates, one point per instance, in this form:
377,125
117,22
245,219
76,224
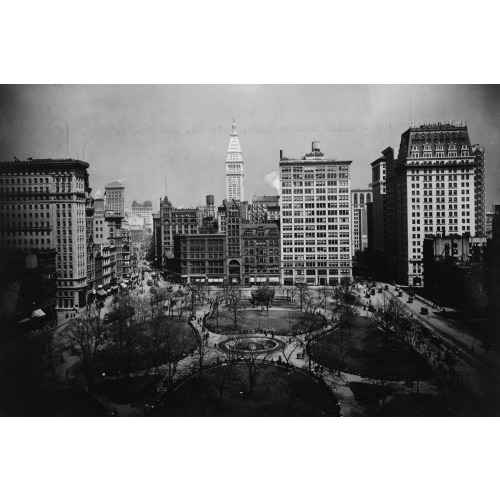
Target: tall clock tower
234,168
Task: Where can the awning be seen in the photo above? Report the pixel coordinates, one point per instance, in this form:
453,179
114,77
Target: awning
101,292
274,280
210,280
123,285
261,280
23,321
114,287
37,313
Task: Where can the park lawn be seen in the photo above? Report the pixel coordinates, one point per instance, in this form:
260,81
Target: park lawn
127,390
67,402
365,353
278,393
108,360
396,405
414,405
281,321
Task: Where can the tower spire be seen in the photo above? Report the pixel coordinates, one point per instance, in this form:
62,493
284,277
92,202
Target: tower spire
234,167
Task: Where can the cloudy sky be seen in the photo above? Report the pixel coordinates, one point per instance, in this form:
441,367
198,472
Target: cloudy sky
149,136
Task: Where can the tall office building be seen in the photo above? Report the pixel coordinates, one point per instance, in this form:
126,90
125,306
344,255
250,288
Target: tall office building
315,219
479,183
43,207
114,196
175,221
359,200
234,168
265,209
377,225
144,210
430,191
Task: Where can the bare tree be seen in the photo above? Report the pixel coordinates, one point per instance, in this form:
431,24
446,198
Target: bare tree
216,298
342,343
169,345
195,293
232,297
324,293
306,325
201,350
346,300
311,302
291,292
87,334
128,328
223,374
254,362
264,295
301,290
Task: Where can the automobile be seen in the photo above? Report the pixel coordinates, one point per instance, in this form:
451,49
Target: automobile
424,310
379,290
372,292
150,282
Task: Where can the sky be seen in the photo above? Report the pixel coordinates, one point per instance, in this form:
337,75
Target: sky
173,139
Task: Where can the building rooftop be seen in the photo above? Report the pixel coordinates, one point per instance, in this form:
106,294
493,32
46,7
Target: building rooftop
42,161
114,184
266,199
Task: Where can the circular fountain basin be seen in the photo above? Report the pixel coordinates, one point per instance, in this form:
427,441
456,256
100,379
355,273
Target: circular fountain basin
251,344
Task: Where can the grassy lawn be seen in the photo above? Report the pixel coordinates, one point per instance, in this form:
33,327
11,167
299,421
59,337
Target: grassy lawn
366,353
67,402
127,390
108,360
414,405
396,405
278,393
253,319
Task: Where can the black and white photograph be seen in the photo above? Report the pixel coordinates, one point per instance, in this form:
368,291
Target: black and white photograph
161,257
193,259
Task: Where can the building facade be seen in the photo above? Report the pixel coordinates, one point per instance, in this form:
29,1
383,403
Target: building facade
376,215
359,200
43,207
114,196
430,190
199,258
265,209
315,219
175,221
234,168
145,211
261,254
479,190
453,273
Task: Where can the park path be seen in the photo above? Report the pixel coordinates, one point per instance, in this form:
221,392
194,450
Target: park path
339,384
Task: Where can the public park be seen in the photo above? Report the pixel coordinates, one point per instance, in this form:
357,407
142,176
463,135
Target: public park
160,348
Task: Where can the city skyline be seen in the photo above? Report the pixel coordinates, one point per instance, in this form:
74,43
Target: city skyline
149,136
